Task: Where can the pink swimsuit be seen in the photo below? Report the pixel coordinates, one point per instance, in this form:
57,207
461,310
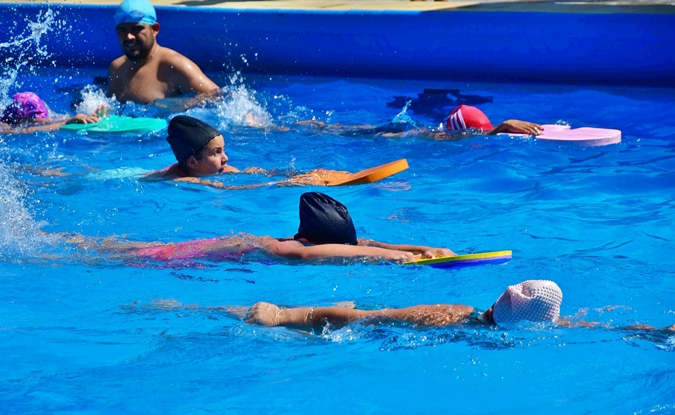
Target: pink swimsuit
202,248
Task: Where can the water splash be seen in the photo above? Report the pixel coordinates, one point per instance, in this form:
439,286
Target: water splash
403,119
25,50
242,108
20,234
94,98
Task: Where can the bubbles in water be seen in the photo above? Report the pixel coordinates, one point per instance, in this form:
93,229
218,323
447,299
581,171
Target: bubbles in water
668,345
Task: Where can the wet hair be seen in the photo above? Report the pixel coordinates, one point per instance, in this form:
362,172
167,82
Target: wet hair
188,136
324,220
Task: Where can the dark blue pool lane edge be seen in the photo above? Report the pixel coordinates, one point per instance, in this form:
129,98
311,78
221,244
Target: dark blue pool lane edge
480,45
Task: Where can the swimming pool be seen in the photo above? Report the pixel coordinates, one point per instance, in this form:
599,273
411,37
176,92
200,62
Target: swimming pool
81,333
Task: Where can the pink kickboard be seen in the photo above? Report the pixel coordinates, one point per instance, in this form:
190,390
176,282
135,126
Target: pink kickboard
584,136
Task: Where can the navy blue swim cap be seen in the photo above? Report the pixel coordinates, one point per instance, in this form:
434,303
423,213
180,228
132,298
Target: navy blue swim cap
324,220
188,135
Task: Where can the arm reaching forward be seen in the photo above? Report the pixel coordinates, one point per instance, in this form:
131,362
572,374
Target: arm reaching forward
421,250
310,318
291,249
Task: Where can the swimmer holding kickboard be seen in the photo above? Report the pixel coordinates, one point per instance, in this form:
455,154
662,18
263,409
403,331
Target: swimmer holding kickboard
200,151
323,177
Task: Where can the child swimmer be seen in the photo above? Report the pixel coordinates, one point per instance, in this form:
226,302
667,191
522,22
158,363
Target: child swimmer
28,113
200,151
462,122
532,301
326,231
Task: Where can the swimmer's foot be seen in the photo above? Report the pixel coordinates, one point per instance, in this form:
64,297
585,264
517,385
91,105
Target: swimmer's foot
170,304
236,311
346,304
312,123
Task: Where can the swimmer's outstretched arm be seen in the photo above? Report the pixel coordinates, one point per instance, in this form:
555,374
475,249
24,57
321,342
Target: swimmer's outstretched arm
291,249
564,322
314,318
49,124
424,251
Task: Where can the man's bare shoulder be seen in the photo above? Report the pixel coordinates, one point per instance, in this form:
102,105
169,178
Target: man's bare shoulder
117,63
171,57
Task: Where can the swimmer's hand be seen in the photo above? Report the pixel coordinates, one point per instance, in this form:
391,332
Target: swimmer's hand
264,314
102,111
267,314
437,253
401,256
518,127
254,170
83,119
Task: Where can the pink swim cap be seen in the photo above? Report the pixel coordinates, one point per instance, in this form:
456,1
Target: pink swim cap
534,300
466,116
25,105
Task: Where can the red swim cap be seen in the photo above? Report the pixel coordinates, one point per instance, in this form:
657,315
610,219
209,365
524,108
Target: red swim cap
466,116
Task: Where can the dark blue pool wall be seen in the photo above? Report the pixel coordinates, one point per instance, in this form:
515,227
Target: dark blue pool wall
577,47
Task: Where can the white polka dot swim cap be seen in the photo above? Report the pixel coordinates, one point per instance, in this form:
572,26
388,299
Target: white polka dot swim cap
534,300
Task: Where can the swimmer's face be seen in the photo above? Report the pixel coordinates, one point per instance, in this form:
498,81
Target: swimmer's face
136,40
487,316
212,159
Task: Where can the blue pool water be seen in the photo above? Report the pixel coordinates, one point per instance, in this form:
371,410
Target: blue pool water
82,333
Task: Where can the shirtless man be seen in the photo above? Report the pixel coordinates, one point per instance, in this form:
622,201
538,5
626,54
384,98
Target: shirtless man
147,71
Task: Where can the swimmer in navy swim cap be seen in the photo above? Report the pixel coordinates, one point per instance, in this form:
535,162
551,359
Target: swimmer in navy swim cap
326,232
200,151
148,71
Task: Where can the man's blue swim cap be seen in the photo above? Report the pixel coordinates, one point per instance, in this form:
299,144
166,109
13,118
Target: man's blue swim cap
135,11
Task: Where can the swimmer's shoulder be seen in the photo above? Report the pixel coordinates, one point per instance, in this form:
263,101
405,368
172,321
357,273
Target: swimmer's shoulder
270,242
172,172
116,64
173,58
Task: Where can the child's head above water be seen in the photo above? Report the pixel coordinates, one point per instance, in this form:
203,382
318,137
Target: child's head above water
465,117
25,106
198,147
324,220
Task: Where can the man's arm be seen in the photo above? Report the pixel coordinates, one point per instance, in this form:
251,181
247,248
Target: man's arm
187,77
296,250
424,251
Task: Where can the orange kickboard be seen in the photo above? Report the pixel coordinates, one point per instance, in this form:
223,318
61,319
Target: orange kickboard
373,174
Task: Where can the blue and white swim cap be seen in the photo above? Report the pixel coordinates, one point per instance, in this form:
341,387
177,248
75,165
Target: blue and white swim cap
135,11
